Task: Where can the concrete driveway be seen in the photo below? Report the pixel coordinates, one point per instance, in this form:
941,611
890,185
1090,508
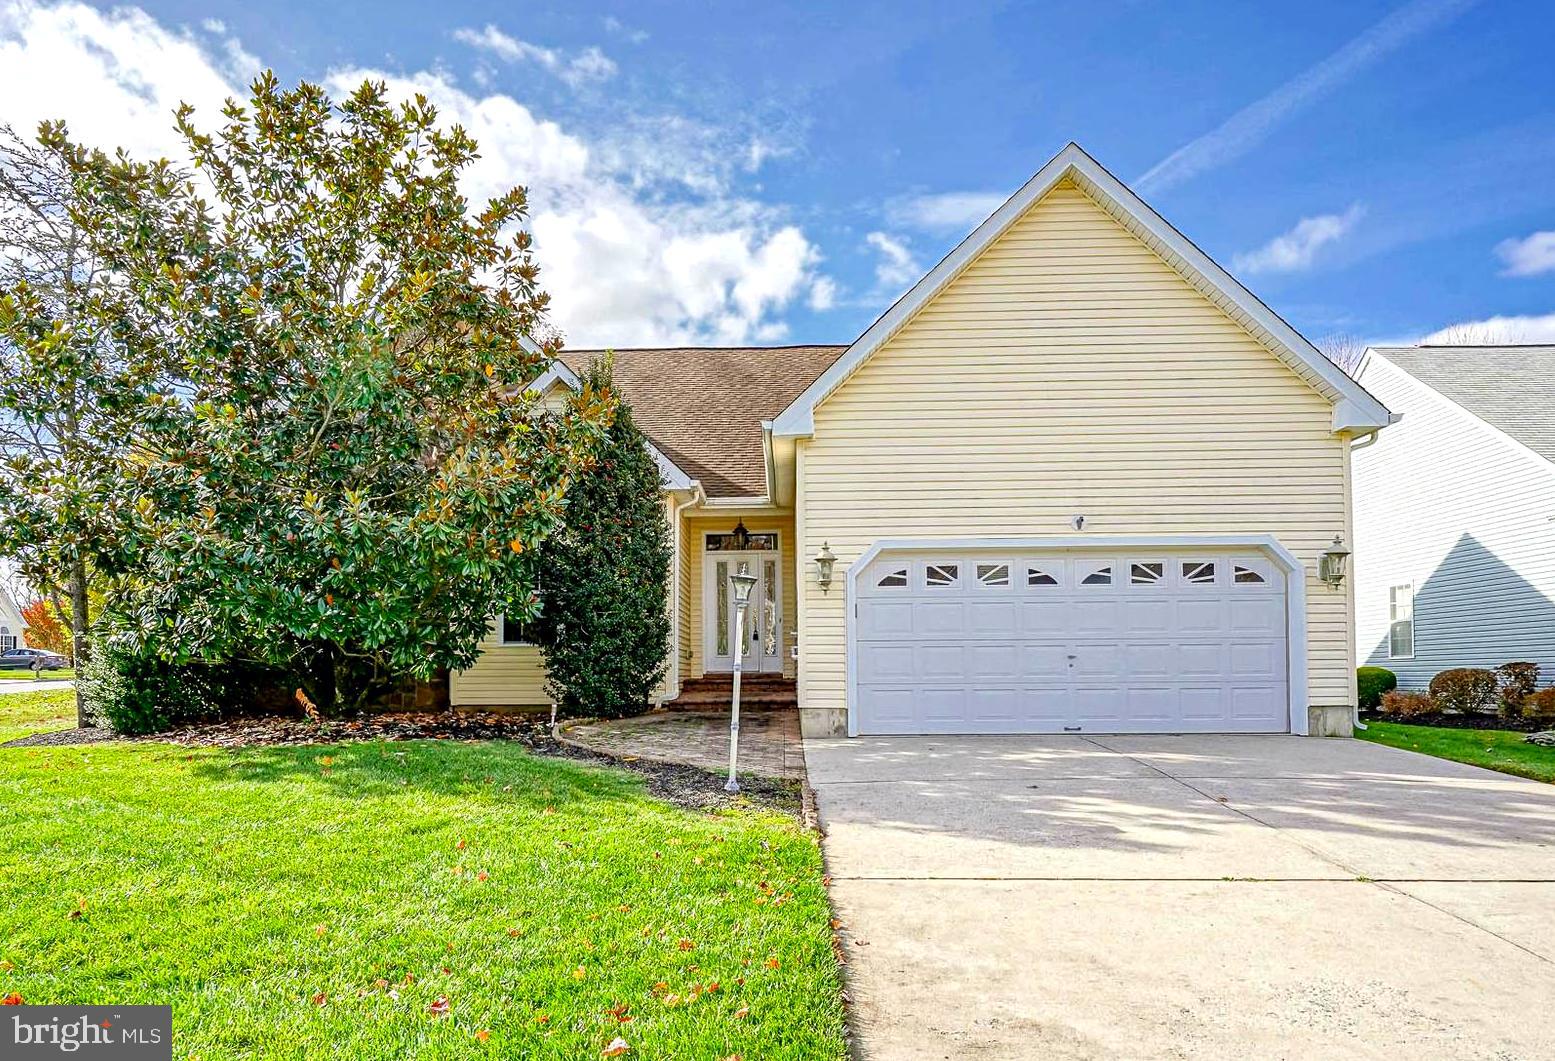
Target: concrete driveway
1187,897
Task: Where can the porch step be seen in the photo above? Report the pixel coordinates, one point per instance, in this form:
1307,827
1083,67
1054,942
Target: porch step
756,690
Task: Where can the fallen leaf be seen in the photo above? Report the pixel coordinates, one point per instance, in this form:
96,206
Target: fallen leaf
482,875
482,1035
579,973
459,846
742,1013
320,998
616,1048
515,932
6,965
542,1018
319,930
439,1006
13,999
410,978
773,963
686,944
458,871
733,1057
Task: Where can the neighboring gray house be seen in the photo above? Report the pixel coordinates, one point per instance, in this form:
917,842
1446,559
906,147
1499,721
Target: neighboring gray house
1454,560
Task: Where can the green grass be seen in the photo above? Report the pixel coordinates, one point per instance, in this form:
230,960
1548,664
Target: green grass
316,902
1495,749
64,674
37,712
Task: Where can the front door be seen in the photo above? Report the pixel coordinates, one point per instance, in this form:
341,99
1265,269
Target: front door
761,638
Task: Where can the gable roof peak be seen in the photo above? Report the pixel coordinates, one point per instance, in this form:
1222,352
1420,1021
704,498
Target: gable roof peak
1353,408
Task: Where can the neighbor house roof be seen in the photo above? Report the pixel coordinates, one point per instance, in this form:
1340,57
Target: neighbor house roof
1354,408
1511,388
703,407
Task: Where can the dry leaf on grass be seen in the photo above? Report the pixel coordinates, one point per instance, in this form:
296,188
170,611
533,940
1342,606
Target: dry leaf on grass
439,1006
616,1048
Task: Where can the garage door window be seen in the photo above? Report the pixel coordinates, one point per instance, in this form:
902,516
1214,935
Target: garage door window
941,575
896,578
1198,572
1246,576
1147,574
993,574
1102,576
1036,576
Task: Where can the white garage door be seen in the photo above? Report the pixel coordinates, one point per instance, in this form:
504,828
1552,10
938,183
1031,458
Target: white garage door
1141,642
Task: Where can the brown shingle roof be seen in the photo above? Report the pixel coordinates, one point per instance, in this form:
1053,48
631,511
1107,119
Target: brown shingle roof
703,406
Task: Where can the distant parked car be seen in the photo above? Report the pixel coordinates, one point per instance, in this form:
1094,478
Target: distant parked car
28,658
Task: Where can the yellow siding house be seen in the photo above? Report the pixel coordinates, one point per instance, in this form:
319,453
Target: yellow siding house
1077,479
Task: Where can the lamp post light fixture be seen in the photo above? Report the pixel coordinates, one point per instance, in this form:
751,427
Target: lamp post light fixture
742,583
1331,564
823,565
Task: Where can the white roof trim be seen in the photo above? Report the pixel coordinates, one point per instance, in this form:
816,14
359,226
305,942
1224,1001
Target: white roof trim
670,472
1354,408
557,373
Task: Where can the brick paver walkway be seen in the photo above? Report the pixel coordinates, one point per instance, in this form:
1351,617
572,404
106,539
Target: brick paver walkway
769,739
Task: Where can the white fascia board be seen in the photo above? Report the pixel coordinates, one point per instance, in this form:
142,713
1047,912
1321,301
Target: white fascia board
557,373
1364,413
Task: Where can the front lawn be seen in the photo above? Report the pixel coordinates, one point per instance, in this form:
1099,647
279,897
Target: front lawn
36,712
1494,749
64,674
429,899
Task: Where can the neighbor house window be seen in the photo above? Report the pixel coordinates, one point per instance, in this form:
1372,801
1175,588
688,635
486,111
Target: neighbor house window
7,639
1401,622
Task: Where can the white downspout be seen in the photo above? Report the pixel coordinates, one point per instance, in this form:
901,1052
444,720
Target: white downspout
1355,444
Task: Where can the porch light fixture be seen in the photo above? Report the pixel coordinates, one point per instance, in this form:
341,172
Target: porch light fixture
1331,565
740,539
823,565
742,582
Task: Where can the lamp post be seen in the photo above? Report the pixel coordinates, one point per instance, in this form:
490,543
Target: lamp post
743,583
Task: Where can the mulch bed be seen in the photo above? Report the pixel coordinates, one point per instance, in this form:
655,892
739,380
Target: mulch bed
1481,721
685,786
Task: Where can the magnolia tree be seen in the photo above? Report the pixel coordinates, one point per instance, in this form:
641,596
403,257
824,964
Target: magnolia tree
332,467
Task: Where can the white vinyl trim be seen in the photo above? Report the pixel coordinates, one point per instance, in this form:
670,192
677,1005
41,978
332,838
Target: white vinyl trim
1354,408
1295,590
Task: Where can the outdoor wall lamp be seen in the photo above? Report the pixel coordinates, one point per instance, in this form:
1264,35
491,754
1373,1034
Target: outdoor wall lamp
823,565
1332,563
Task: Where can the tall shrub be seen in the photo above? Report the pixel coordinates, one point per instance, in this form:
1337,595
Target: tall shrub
605,578
1517,682
1467,690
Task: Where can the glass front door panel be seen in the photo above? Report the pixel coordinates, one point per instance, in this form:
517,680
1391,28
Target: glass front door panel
721,572
769,612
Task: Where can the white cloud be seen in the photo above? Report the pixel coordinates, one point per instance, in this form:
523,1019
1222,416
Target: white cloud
624,263
1295,250
823,294
1530,256
1492,331
897,266
1249,126
115,76
620,29
582,68
946,211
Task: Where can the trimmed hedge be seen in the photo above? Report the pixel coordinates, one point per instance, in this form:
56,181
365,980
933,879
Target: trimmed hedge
1467,690
136,695
1539,706
1517,682
1371,683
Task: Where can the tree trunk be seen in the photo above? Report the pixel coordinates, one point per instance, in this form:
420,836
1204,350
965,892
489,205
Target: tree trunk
78,631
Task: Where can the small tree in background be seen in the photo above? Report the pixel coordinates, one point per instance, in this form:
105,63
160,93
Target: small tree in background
44,630
604,581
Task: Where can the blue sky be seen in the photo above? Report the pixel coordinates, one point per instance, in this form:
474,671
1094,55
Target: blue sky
780,172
